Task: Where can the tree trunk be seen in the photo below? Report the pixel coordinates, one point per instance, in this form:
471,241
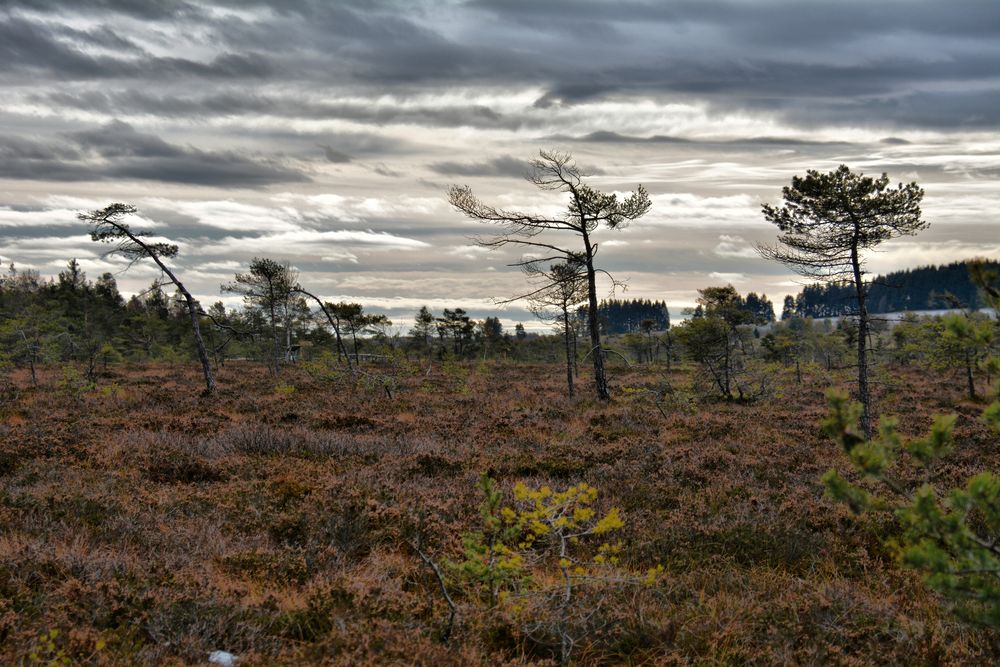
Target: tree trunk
969,377
333,323
864,394
576,355
275,344
600,379
569,351
33,355
206,365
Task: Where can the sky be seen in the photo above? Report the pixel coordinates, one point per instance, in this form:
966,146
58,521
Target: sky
327,133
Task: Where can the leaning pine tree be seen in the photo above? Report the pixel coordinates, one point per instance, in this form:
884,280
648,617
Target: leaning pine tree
827,222
108,226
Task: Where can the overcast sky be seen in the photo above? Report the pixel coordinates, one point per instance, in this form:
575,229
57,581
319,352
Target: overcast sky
326,133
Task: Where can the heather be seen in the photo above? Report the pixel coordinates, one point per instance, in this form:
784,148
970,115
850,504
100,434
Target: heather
144,523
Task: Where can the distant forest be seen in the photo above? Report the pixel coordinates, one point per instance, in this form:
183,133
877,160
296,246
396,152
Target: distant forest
621,316
924,288
71,317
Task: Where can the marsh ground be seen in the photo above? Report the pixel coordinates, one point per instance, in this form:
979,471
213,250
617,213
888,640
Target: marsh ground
147,525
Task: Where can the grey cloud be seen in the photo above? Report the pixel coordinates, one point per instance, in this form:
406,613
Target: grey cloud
945,110
161,9
118,152
335,156
787,20
208,169
239,103
31,49
384,170
14,149
802,59
504,165
355,145
118,139
609,137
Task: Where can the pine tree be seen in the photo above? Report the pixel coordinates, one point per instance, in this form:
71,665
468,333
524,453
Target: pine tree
827,222
108,226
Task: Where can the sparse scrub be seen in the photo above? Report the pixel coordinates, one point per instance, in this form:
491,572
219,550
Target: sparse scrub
117,528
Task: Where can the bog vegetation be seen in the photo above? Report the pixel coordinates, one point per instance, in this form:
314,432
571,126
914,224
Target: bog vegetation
298,481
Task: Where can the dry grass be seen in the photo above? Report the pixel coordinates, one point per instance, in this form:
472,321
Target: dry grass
272,524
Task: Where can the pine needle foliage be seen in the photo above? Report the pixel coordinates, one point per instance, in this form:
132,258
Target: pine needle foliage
949,535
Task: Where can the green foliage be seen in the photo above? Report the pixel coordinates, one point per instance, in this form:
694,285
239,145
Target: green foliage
717,337
491,555
545,522
560,521
47,651
964,341
324,366
937,444
284,389
949,536
74,383
991,415
457,374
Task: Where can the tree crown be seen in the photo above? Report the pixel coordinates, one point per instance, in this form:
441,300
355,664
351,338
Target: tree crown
827,219
588,208
108,226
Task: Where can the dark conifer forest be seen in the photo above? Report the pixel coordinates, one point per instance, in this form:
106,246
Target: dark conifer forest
923,288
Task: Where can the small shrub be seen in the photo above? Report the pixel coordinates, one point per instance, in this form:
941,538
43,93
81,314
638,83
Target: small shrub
951,537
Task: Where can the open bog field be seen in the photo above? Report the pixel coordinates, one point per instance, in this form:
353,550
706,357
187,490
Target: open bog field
142,524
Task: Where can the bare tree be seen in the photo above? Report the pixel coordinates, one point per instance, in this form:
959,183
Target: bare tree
565,287
108,226
588,210
827,222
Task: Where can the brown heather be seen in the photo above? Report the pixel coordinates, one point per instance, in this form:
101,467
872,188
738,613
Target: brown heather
148,526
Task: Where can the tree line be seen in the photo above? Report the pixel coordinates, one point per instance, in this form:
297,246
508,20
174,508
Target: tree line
620,316
948,286
71,318
827,222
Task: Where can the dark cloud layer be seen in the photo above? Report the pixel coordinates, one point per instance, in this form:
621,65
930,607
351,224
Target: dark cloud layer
117,151
609,137
241,103
504,165
327,132
900,63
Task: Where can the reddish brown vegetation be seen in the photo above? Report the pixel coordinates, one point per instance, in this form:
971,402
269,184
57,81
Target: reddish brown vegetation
273,525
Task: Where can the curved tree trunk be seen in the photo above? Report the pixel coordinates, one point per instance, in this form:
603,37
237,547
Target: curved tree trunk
206,365
192,304
968,375
333,323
